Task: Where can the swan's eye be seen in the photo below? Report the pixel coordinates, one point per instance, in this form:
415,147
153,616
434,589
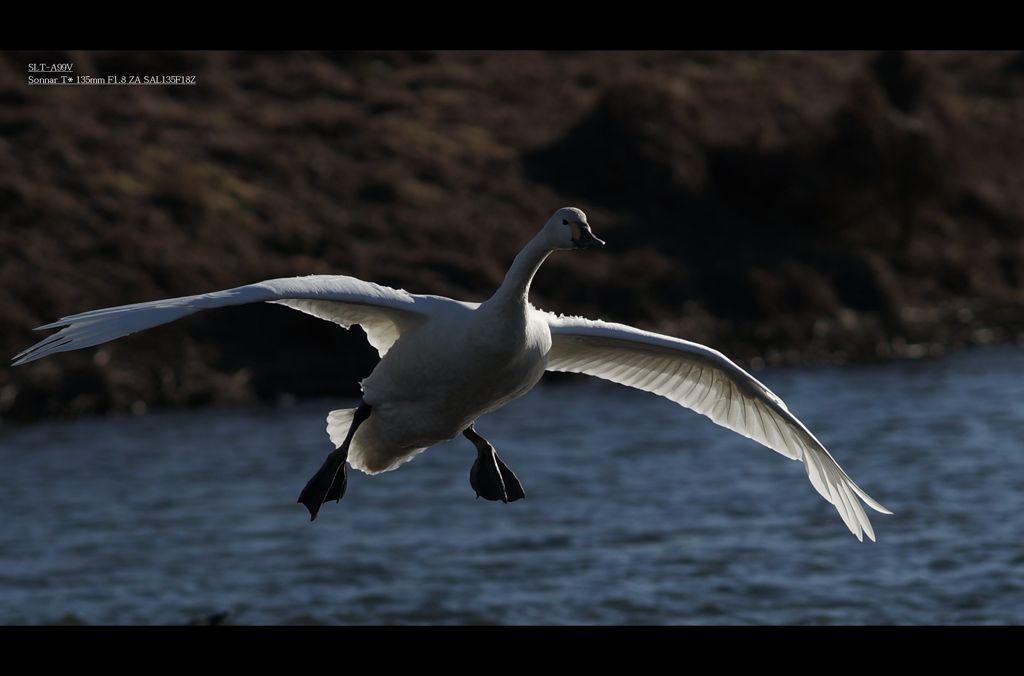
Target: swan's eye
565,221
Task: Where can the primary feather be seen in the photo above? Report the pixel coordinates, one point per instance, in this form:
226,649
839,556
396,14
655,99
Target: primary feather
382,311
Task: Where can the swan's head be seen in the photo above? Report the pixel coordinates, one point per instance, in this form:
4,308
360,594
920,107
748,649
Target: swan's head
568,229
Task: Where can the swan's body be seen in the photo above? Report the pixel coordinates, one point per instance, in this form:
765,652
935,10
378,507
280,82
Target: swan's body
442,376
445,363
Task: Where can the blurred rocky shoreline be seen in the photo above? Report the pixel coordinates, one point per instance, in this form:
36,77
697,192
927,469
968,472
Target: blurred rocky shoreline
783,207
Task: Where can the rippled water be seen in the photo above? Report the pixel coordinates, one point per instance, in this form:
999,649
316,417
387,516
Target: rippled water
637,512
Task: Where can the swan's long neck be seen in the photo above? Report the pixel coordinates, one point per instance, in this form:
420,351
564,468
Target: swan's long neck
516,286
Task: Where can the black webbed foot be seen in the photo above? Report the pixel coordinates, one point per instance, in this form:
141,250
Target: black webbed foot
331,480
489,476
329,483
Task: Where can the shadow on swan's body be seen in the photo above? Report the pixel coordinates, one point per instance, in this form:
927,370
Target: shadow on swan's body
445,363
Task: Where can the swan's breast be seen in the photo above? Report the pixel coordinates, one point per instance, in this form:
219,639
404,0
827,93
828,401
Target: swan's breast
466,366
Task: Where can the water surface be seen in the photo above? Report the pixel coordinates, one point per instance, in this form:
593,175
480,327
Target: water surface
637,512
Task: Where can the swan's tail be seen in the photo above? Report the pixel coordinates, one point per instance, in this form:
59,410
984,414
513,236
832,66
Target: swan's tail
367,452
338,423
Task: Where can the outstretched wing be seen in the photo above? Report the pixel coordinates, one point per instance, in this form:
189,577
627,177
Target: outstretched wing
706,381
383,312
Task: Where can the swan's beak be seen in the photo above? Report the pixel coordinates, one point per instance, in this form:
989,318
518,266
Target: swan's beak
584,238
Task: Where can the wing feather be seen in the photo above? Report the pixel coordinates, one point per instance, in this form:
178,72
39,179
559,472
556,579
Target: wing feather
382,311
706,381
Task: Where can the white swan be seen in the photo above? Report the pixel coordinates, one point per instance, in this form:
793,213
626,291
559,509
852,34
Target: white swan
446,362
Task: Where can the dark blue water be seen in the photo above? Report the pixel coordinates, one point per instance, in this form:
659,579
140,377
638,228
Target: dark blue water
637,511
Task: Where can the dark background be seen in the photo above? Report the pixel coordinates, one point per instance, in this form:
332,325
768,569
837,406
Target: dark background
783,207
